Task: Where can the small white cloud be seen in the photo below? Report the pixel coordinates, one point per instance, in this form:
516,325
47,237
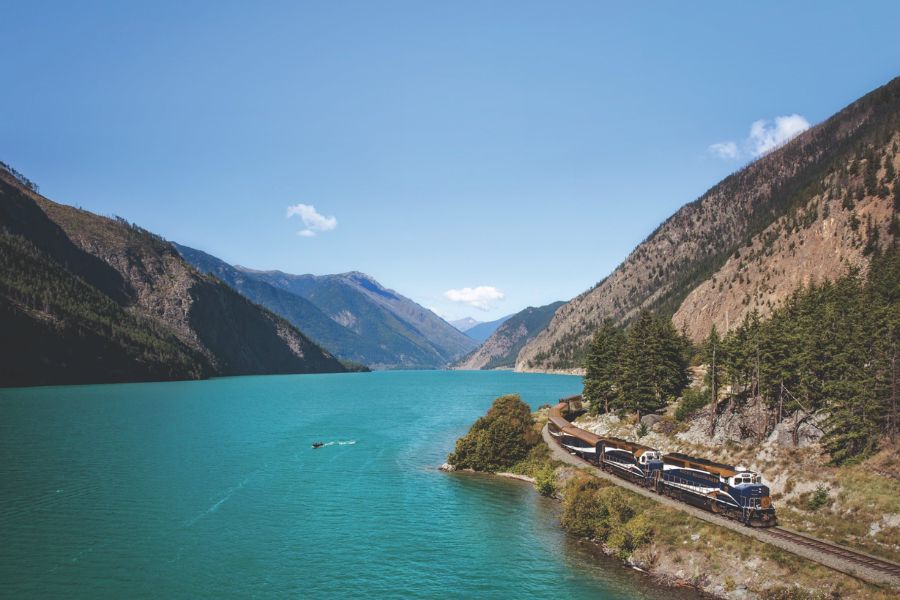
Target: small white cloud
725,150
312,219
764,137
480,297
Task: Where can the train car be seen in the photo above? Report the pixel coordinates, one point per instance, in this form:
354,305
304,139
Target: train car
635,462
578,441
735,492
629,460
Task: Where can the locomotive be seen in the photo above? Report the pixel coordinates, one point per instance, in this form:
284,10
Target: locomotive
734,492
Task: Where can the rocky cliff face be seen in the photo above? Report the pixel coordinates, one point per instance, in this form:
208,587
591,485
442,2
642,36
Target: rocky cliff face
672,271
92,299
835,232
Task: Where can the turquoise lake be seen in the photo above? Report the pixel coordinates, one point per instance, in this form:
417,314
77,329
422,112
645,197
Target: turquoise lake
211,489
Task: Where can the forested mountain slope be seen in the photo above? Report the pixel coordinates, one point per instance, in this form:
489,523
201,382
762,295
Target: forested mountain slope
300,312
812,208
501,348
411,336
85,299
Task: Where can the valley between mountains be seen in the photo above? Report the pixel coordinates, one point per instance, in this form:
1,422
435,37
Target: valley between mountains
87,298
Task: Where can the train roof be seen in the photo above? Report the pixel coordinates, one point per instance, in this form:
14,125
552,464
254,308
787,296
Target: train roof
702,463
566,427
633,447
580,434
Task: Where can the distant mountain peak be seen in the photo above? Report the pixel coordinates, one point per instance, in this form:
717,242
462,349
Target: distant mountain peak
350,313
465,324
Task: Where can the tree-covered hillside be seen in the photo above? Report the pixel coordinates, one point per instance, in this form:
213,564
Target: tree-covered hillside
827,357
86,298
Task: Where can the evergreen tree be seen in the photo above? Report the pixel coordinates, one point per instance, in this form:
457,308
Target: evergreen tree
653,366
601,366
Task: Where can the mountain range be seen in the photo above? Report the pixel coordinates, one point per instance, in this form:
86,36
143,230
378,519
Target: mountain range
351,314
86,298
812,209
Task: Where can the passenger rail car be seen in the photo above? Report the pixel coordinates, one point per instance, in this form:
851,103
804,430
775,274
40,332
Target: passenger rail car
734,492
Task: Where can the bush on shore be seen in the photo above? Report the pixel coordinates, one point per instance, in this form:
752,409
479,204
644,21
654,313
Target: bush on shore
498,440
596,510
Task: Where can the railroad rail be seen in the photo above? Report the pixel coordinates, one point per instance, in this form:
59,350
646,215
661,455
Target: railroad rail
864,560
850,562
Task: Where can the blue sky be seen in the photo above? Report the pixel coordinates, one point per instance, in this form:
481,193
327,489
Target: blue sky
523,148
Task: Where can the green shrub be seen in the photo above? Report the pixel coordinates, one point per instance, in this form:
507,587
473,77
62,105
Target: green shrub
818,499
498,440
692,400
606,514
545,481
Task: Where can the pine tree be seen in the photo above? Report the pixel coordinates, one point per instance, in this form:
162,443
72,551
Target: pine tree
654,365
601,366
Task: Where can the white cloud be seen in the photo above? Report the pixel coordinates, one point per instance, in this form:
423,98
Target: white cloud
764,136
726,150
481,297
312,219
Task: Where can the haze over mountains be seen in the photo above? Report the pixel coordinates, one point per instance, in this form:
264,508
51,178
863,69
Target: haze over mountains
351,314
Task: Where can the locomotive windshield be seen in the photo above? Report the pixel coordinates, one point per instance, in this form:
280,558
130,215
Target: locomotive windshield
742,478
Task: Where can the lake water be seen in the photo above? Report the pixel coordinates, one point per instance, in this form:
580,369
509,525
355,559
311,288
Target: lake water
211,488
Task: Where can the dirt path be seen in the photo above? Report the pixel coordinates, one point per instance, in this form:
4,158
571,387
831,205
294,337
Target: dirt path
848,564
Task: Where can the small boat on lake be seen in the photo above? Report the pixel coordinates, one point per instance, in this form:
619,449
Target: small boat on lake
317,445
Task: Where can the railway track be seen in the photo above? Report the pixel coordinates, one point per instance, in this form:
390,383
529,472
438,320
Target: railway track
856,564
863,560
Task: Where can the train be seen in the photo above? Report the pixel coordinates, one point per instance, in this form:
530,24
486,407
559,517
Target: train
733,492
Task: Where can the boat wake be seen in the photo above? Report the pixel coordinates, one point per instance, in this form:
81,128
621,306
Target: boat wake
228,494
339,443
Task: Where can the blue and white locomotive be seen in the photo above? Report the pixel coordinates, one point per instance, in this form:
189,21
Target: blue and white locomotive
734,492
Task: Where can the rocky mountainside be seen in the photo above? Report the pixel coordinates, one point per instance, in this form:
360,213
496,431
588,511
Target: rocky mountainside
85,299
502,347
813,208
389,330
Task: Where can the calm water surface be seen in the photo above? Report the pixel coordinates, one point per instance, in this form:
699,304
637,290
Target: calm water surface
179,490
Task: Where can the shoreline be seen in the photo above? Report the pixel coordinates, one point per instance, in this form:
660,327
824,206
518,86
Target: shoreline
668,581
448,468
